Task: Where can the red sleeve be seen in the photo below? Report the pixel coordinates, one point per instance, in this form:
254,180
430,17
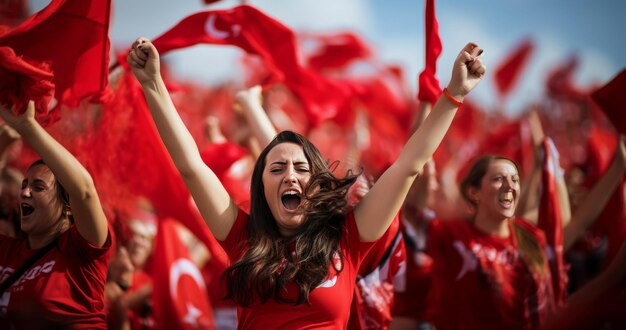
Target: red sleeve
237,238
380,247
352,239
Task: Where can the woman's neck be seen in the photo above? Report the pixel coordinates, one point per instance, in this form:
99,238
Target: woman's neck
493,226
36,242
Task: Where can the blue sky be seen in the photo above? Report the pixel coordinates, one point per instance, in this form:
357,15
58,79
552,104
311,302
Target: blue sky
594,30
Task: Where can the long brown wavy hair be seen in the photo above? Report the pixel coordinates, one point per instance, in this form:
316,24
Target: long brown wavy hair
269,264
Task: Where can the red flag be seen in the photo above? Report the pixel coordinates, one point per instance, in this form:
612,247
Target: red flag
611,99
22,81
251,30
560,81
220,157
549,220
429,89
601,149
12,12
72,35
180,295
129,151
338,50
509,70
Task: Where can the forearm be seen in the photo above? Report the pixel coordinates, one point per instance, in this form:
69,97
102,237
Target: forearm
66,168
259,122
177,139
392,187
593,204
528,204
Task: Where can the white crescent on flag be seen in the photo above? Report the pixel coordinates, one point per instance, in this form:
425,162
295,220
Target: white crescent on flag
181,267
214,32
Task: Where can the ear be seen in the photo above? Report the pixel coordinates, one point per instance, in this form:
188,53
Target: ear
472,192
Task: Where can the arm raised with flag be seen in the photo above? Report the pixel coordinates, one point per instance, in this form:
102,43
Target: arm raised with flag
302,243
215,205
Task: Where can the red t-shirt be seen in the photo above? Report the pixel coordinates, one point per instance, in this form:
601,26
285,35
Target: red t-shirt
329,306
413,285
65,286
374,294
481,282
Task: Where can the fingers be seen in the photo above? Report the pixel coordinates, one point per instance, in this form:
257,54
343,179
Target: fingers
470,56
476,67
141,51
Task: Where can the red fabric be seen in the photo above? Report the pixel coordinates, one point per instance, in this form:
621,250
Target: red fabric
472,268
612,100
463,137
429,89
510,69
220,157
24,80
180,295
72,35
65,285
142,316
144,168
612,220
338,50
251,30
12,12
412,286
560,81
549,219
374,293
329,306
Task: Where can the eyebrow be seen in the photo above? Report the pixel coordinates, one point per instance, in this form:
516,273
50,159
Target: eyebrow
285,163
36,181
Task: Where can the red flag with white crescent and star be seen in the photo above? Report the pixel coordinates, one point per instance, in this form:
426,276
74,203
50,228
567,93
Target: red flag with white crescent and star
256,33
180,294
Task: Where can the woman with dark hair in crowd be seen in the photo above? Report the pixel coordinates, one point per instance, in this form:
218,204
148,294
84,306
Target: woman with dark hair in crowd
296,256
57,273
492,272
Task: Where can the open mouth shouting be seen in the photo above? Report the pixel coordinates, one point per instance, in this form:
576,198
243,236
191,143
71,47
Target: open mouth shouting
506,200
26,209
291,199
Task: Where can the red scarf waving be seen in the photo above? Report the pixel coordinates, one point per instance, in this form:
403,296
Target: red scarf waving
550,220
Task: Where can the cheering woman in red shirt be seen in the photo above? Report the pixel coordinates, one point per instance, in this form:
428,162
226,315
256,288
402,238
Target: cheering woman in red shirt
55,277
296,256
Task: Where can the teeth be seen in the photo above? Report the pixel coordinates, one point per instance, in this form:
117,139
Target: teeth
290,192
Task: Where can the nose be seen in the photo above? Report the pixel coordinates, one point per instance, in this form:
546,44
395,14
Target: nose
508,183
290,176
25,192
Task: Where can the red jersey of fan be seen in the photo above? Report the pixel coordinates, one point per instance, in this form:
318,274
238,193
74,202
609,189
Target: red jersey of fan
374,295
329,306
64,287
481,281
413,284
